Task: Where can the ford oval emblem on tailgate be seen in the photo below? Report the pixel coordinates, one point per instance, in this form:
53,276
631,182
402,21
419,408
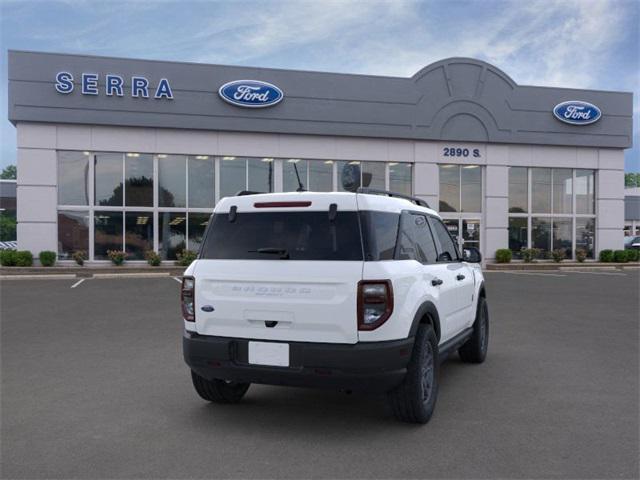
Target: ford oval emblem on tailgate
207,308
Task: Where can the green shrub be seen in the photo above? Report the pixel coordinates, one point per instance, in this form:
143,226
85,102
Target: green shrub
527,254
79,256
153,258
24,258
117,256
47,258
620,256
186,257
558,255
606,255
7,258
503,255
581,254
633,255
543,254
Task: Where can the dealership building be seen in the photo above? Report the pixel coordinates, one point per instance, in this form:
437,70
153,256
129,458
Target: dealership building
133,155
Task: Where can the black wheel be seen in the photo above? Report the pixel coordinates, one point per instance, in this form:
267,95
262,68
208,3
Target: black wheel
219,391
414,399
475,349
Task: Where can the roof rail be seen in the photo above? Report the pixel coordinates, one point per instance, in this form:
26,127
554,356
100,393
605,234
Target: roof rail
242,193
373,191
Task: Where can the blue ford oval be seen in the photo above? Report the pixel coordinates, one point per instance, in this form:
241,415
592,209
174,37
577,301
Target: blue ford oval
577,112
250,93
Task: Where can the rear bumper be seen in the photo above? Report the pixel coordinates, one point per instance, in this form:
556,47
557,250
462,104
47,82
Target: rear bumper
375,366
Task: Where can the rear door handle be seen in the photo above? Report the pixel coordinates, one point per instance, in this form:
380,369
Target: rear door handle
460,277
436,281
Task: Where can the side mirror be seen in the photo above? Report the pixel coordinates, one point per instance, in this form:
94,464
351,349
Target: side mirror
471,255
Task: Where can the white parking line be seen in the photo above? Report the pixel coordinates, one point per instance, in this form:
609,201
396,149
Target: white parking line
599,273
78,283
177,279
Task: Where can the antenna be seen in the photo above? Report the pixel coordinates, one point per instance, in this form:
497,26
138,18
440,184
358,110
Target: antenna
300,185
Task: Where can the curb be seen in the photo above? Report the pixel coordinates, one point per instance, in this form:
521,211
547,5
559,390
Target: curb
89,272
58,276
560,266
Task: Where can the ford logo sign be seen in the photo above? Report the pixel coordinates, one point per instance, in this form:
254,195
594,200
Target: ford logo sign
576,112
250,93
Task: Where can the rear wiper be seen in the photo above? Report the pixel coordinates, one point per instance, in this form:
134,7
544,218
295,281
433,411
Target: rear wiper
284,254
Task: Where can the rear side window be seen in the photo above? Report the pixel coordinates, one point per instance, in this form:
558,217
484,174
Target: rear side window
284,235
448,250
415,241
380,231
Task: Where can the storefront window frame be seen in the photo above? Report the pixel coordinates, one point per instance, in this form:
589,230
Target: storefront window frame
156,210
574,216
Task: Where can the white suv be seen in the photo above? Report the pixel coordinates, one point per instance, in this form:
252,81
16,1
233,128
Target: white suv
354,291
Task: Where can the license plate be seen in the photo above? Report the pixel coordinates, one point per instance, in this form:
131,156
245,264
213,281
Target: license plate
269,353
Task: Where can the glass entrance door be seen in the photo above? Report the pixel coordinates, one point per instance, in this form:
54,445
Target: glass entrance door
465,231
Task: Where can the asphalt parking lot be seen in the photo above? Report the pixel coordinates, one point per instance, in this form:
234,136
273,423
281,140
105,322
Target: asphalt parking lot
94,386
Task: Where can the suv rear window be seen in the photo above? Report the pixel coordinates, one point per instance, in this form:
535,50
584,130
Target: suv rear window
283,235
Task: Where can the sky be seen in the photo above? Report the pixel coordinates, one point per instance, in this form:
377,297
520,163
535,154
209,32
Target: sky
567,43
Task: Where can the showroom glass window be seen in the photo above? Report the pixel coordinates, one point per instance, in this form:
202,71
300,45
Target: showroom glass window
518,190
108,233
240,173
201,181
557,214
541,190
372,174
320,175
138,202
172,181
585,192
73,178
295,175
315,175
73,232
460,188
400,175
138,177
109,177
172,234
197,222
138,234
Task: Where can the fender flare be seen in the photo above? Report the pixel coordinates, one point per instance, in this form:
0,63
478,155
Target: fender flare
481,290
427,308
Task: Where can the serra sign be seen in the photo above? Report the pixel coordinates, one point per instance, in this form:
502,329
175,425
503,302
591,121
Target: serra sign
113,85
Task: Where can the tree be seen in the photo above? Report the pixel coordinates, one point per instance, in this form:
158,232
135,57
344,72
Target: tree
631,180
9,173
7,227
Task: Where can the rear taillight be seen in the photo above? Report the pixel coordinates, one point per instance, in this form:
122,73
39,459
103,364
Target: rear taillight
187,298
375,303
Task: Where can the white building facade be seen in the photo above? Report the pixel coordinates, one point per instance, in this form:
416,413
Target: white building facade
101,168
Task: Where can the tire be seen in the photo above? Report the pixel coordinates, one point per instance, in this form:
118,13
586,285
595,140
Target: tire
475,349
219,391
414,400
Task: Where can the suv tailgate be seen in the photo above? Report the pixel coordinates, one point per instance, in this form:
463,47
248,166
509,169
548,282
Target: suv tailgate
305,301
281,267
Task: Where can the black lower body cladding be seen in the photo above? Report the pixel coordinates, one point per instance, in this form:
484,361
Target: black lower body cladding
367,367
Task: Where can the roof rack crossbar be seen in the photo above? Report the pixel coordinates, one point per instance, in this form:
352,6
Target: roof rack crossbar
374,191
